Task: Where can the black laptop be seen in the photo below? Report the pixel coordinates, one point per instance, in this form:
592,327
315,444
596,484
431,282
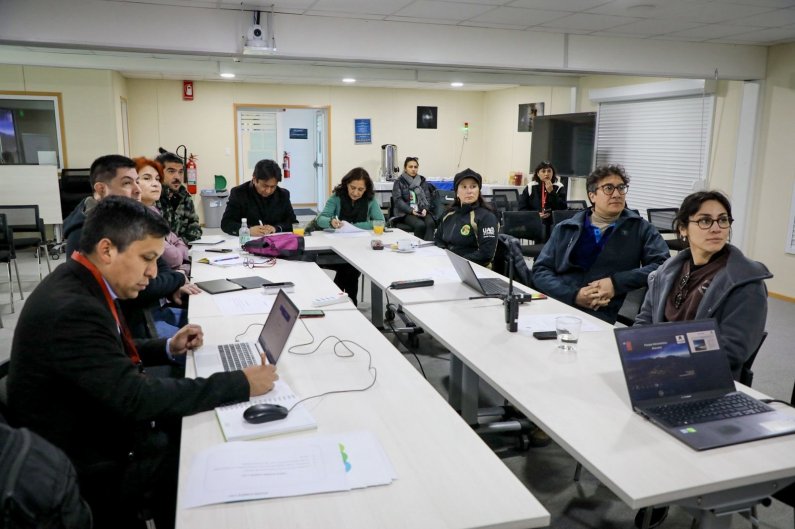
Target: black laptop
492,286
679,378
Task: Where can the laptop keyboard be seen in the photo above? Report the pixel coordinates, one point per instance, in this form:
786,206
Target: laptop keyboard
236,356
725,407
493,286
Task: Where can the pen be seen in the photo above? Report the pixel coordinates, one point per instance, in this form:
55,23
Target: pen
260,223
227,259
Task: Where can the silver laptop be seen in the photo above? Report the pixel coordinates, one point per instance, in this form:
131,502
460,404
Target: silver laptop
679,378
489,286
211,359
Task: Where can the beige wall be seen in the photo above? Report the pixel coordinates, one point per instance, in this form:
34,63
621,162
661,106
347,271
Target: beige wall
119,93
88,110
158,116
776,167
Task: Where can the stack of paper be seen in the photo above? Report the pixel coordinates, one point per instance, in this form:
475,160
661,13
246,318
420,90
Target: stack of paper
236,428
290,467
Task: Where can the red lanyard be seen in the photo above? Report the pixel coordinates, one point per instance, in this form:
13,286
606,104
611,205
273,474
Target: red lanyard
129,345
543,195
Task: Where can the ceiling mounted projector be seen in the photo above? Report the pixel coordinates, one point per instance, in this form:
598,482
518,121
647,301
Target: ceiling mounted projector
260,40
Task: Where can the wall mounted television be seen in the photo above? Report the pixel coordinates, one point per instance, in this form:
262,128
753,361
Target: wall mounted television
567,141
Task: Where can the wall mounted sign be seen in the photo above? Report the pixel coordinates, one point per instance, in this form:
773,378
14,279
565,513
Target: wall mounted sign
299,134
362,132
187,90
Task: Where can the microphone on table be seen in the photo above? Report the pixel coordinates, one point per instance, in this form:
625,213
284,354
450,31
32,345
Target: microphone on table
511,303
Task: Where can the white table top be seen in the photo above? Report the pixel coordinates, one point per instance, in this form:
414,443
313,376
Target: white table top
581,401
447,477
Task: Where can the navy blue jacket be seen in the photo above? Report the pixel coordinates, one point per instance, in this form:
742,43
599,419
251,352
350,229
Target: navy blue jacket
631,253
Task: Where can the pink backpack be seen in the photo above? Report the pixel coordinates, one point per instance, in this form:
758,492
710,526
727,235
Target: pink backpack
285,245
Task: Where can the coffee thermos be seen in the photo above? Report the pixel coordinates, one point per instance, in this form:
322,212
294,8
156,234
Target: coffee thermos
390,166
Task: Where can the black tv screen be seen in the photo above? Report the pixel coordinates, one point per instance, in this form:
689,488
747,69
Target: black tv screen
565,140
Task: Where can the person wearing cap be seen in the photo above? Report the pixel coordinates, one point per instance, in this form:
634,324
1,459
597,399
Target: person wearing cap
544,193
469,227
595,258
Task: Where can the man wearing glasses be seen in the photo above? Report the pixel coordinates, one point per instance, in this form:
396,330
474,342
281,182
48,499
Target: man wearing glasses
595,258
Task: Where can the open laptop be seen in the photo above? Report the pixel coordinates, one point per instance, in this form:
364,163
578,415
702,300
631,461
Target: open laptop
488,286
679,378
211,359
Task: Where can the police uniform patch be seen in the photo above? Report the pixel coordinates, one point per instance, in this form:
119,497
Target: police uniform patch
465,230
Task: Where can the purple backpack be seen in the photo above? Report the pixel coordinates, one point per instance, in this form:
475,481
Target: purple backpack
285,245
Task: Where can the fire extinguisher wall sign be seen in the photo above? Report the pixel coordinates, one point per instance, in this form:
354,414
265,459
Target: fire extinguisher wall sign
193,173
286,165
187,90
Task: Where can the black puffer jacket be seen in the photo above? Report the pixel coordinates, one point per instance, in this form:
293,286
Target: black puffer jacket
470,232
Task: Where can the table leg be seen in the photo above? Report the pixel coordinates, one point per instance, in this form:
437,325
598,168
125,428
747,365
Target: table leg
456,375
470,387
376,305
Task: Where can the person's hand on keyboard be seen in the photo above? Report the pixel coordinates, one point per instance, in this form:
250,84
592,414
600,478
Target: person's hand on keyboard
261,378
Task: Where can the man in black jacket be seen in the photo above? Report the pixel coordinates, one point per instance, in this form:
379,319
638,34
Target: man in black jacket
78,379
265,206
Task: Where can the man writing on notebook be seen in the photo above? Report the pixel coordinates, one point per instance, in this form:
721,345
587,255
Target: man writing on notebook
78,378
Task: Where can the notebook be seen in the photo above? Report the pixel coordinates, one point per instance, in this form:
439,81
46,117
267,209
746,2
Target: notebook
210,359
679,378
487,286
219,286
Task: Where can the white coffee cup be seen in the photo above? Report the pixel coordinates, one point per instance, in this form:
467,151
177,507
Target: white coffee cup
404,245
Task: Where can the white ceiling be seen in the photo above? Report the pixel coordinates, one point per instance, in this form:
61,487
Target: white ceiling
756,22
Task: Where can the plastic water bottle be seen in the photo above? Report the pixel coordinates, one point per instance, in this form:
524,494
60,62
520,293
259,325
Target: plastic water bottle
244,233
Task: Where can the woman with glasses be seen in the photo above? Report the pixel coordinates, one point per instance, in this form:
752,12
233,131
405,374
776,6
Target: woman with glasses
710,279
544,193
416,200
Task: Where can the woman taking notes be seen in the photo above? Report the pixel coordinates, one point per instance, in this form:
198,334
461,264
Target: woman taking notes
468,228
353,201
710,279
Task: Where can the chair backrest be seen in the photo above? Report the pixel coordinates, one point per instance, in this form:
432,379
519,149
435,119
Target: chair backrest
576,204
6,240
631,306
746,375
22,218
511,195
662,219
523,225
446,196
559,215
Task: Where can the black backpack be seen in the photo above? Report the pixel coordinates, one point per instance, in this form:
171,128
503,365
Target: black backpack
38,484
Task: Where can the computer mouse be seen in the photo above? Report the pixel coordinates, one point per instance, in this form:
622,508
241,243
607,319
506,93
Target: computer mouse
259,413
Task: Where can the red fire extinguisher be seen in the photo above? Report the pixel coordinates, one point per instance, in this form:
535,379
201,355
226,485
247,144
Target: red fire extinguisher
192,173
286,165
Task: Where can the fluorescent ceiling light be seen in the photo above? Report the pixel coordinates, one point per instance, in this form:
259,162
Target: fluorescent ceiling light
228,75
349,80
457,84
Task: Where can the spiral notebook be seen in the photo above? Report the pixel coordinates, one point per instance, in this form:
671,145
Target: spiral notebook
235,428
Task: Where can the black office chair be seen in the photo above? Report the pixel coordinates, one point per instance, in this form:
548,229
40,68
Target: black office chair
746,374
576,204
559,215
511,196
525,225
394,221
663,220
631,306
7,256
28,230
501,205
73,186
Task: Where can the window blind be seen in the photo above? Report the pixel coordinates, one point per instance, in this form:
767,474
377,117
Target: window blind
662,143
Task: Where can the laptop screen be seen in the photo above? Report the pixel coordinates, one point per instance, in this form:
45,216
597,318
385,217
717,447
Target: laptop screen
278,326
464,271
673,359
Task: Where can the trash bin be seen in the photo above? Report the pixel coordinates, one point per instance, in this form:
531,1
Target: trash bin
214,204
